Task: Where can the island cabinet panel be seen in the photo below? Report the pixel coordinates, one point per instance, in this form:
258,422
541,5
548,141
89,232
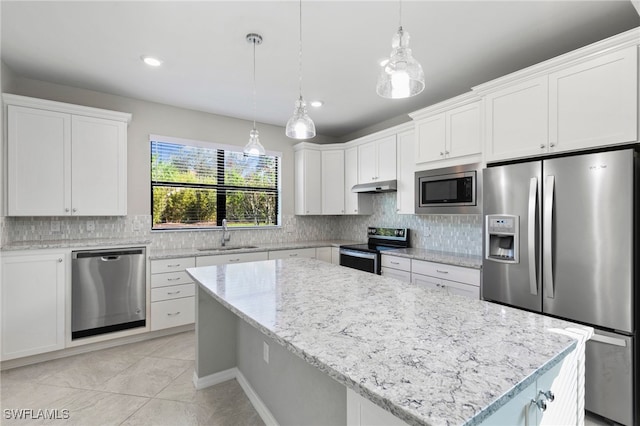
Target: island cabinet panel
362,412
226,259
551,400
287,254
65,159
172,293
595,103
32,294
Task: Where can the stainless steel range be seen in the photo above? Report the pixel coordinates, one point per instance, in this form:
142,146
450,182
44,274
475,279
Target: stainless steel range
366,257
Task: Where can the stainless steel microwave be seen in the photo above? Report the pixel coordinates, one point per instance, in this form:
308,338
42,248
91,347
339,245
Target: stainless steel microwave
453,190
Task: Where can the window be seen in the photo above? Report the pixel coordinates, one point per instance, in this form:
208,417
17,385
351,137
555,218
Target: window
195,185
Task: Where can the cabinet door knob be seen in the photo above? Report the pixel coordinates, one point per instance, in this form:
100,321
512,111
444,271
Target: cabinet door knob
540,404
441,154
59,260
66,210
446,152
552,145
549,395
542,145
75,210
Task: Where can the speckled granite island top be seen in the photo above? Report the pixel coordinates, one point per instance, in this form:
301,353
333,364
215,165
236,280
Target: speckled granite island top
427,357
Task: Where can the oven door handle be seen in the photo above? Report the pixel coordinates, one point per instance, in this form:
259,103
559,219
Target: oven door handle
361,254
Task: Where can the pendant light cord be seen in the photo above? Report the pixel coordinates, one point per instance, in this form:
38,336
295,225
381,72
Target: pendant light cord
254,84
400,15
300,51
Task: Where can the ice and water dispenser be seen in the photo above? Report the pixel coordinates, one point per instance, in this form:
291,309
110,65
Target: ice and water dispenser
502,242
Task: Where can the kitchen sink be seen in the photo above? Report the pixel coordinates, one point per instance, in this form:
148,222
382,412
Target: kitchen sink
226,248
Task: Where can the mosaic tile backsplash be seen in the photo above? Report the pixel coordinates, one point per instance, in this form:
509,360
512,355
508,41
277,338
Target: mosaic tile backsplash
450,233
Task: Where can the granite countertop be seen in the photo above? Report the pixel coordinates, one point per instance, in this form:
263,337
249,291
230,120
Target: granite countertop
466,260
73,243
191,252
428,357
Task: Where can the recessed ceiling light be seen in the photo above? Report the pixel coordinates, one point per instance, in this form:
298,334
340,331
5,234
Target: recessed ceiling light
316,104
151,61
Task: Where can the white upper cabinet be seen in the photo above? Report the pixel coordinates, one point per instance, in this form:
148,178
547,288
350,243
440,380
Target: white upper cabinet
517,123
584,99
595,103
354,202
65,159
308,182
405,196
377,160
333,186
448,130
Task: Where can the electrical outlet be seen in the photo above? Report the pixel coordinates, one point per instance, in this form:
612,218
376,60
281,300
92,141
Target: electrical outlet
265,352
91,226
55,226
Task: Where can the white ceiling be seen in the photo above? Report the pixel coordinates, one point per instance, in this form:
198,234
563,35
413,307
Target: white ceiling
208,63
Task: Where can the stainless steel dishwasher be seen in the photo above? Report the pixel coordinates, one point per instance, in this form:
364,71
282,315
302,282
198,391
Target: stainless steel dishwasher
108,291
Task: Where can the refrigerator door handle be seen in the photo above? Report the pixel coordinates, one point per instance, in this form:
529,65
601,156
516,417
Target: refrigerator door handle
531,236
608,340
549,190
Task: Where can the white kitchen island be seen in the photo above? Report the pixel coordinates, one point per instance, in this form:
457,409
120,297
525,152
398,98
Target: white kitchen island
303,337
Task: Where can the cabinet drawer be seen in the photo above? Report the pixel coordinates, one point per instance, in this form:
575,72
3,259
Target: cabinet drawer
286,254
225,259
172,313
172,265
170,278
397,274
173,292
450,272
402,263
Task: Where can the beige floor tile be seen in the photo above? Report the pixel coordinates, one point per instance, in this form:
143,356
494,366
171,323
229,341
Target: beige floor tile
181,346
39,371
29,395
98,408
92,371
158,412
147,377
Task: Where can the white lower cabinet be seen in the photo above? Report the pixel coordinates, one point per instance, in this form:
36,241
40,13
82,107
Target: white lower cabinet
33,303
226,259
335,255
396,267
324,254
172,293
452,279
287,254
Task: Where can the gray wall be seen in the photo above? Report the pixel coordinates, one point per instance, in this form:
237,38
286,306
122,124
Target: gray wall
154,118
295,392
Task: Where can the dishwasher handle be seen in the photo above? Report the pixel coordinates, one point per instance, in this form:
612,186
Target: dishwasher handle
107,255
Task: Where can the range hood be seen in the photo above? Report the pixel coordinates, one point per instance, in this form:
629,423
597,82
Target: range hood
373,187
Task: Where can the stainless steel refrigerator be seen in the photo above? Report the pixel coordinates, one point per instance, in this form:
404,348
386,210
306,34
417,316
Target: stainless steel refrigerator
561,238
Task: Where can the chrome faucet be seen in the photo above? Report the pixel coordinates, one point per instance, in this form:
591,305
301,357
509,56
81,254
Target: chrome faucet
225,231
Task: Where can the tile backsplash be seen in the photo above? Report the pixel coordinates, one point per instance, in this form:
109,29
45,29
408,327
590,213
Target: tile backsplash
450,233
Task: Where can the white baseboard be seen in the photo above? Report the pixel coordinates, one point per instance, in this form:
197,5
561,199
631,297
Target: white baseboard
257,403
234,373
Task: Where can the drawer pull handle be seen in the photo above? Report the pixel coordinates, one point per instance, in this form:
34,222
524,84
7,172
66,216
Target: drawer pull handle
293,254
173,292
173,279
442,272
173,314
234,260
394,263
173,266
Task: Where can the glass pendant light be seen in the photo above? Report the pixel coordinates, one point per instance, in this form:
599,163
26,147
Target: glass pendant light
402,75
254,147
300,125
